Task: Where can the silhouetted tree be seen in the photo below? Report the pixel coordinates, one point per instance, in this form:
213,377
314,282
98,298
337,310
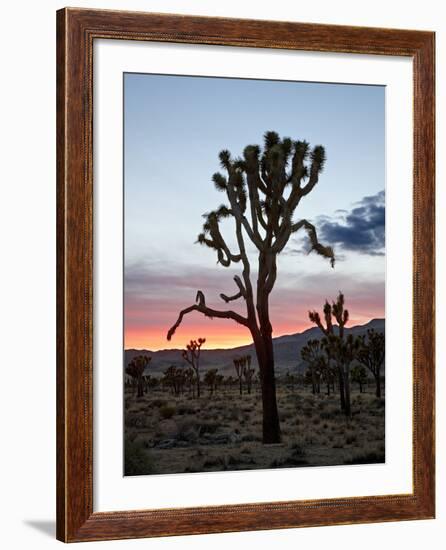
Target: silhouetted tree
263,189
239,365
338,349
311,353
219,379
372,354
135,369
192,355
210,378
175,378
345,351
359,375
248,373
189,378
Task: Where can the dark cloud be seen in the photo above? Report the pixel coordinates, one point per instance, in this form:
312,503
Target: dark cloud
361,229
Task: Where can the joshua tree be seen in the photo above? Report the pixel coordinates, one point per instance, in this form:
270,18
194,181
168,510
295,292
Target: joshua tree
311,353
228,382
210,378
345,351
135,369
189,378
238,365
336,348
244,372
175,378
192,355
371,354
263,189
248,373
359,375
290,380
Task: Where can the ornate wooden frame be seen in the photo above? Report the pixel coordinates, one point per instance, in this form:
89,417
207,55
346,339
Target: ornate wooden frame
76,31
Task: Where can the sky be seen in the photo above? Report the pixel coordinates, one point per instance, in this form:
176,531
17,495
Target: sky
174,128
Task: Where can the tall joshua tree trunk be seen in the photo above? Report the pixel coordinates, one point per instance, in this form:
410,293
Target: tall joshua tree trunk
263,190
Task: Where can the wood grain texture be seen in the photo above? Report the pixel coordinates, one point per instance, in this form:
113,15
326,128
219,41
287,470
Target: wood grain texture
76,31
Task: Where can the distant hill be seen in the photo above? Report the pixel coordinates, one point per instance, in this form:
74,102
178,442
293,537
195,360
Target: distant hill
286,352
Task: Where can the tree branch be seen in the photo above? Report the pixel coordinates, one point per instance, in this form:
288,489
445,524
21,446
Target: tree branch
314,178
240,217
231,298
325,251
241,293
201,307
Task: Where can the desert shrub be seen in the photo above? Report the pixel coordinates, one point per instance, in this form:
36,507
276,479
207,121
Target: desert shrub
287,462
351,438
209,427
328,415
136,420
233,414
297,449
286,414
185,408
371,457
232,460
251,437
167,411
136,459
213,461
188,430
159,403
193,467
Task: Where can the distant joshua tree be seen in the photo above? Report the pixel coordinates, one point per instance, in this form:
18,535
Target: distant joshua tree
175,378
135,369
248,373
372,354
341,350
244,372
263,189
359,375
192,355
211,380
312,354
189,378
238,365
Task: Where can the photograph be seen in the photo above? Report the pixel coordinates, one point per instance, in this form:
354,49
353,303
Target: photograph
254,274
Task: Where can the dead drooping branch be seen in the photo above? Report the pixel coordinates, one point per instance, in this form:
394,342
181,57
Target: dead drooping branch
325,251
201,307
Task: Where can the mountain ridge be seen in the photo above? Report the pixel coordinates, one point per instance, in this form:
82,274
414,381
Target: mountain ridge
286,351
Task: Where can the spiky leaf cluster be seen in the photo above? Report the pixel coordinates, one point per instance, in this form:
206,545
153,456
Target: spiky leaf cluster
263,189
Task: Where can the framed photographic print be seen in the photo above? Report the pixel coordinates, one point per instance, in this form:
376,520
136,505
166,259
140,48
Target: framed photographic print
245,275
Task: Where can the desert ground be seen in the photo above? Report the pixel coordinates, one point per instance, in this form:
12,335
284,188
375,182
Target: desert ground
167,434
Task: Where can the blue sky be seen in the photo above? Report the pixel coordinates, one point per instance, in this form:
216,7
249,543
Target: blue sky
175,127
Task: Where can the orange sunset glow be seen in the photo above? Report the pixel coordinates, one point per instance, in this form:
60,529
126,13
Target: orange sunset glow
222,335
219,334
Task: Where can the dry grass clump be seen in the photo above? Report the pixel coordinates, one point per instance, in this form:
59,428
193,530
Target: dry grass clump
167,411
